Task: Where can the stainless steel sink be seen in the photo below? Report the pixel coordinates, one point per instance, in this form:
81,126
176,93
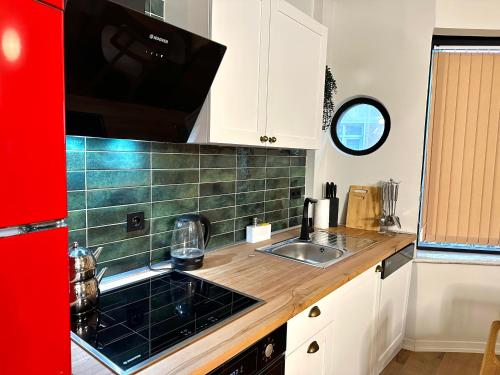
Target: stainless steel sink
323,250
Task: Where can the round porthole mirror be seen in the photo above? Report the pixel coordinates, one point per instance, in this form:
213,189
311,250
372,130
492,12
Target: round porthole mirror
360,126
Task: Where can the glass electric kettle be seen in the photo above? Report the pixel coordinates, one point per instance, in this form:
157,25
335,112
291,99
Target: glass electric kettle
189,239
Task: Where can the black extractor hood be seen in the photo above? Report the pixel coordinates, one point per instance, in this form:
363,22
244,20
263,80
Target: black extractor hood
132,76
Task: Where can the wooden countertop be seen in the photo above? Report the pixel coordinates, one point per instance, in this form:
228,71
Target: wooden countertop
287,287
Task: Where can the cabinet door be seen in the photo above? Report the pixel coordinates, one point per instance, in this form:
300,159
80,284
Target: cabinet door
34,318
313,357
393,304
296,80
238,93
354,318
32,151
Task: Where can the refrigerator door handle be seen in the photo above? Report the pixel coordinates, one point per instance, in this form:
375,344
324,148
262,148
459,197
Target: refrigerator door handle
29,228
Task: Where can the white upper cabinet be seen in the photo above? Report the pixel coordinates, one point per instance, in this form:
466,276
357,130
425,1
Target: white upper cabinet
297,59
269,88
238,94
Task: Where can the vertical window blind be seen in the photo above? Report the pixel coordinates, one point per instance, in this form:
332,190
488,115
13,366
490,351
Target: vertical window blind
461,181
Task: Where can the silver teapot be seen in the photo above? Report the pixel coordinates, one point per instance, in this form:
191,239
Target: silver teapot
83,295
82,262
84,284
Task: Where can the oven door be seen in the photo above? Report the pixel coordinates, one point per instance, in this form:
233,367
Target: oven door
245,363
275,368
257,359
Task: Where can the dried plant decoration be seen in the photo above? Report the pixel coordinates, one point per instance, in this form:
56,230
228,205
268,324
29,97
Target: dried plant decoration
328,105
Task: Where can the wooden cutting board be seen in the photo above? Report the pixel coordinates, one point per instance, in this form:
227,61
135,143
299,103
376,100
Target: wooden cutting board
363,207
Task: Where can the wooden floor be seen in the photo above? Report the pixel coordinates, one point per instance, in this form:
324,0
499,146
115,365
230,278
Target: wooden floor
430,363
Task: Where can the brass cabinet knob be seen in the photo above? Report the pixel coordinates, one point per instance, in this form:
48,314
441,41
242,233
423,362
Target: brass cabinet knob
264,138
378,268
272,139
315,312
313,347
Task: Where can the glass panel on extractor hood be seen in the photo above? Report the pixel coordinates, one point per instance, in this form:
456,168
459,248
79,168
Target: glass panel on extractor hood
132,76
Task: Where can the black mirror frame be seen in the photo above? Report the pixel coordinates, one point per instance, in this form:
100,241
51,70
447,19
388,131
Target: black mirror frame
360,100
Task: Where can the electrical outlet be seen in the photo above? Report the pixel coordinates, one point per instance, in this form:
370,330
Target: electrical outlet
135,221
295,193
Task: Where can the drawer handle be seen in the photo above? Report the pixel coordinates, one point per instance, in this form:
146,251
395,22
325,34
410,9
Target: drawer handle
264,138
313,347
378,269
315,312
272,140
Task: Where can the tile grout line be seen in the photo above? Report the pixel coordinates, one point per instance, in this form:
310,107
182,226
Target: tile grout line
289,188
265,186
181,169
199,179
86,195
185,183
150,202
190,183
235,189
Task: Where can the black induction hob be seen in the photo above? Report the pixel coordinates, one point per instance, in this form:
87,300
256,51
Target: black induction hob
140,322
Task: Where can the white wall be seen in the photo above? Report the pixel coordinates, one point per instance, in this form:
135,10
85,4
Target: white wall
381,49
468,15
452,306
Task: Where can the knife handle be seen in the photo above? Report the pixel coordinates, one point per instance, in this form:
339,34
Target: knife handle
334,212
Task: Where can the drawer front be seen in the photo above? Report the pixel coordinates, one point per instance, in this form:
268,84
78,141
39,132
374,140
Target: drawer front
310,321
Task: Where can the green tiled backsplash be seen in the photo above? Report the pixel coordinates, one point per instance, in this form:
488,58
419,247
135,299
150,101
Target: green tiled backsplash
108,178
154,8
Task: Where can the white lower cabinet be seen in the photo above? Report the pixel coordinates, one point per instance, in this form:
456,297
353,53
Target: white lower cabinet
313,356
354,319
343,331
355,330
391,322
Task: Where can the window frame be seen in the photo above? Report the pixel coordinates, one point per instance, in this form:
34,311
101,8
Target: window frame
343,108
448,41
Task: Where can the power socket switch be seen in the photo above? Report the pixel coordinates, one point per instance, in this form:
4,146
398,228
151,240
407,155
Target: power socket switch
295,193
135,221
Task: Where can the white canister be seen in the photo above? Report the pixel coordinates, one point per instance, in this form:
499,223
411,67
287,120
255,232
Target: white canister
322,214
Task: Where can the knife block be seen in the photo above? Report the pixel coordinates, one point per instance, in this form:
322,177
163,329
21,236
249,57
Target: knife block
334,212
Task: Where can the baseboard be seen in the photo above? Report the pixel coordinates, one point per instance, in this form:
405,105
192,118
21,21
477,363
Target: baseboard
445,346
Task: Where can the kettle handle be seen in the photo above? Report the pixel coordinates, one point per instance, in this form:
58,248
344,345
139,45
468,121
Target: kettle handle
206,229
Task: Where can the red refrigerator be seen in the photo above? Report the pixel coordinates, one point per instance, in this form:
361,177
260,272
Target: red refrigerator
34,291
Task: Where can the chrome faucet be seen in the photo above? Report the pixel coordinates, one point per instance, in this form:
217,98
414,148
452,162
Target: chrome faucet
306,228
